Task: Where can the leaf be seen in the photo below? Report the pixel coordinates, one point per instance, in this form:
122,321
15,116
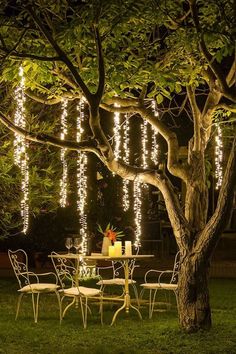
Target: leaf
159,98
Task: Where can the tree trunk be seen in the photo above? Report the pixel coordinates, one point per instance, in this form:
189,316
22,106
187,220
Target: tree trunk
193,294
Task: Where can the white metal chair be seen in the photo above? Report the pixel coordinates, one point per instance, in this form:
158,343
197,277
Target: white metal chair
70,274
29,282
117,278
157,284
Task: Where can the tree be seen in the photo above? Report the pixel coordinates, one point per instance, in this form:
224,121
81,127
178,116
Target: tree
115,52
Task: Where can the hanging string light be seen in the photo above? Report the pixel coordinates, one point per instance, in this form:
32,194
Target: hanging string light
144,144
20,149
117,137
63,181
82,179
218,156
137,212
155,147
126,201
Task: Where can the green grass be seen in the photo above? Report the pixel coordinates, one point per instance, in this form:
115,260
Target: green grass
129,335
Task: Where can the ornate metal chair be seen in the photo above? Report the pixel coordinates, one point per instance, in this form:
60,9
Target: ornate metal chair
70,274
117,278
157,284
29,282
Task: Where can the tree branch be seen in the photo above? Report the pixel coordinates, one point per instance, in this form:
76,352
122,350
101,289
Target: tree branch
215,67
196,118
89,146
52,101
33,56
218,221
101,68
62,55
173,164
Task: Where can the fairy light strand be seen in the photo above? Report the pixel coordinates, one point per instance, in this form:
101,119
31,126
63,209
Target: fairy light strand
144,144
126,182
137,212
155,146
21,158
218,156
82,179
63,181
117,137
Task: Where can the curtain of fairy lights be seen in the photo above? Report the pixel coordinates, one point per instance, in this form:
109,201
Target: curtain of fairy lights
20,149
155,147
126,201
218,156
63,181
82,179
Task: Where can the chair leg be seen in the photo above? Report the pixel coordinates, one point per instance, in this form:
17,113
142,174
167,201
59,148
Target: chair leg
152,303
86,312
18,305
136,294
101,309
34,309
141,294
37,308
68,306
82,309
59,303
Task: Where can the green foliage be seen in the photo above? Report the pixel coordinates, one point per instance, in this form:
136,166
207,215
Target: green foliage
144,44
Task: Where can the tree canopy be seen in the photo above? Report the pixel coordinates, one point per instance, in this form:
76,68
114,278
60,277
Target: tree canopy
127,53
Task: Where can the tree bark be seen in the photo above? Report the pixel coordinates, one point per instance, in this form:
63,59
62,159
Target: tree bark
193,294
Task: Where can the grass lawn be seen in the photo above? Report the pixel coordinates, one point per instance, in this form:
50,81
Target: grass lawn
161,335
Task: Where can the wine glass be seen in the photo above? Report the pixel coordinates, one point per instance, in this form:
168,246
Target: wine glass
69,243
76,244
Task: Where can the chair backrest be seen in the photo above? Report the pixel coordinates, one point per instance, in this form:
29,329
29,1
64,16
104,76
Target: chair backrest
65,269
71,271
174,277
19,262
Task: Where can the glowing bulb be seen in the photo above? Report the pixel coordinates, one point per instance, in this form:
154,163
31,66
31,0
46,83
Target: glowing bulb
82,179
63,181
20,149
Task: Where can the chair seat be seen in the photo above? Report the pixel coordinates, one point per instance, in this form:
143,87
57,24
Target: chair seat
39,288
166,286
115,281
81,290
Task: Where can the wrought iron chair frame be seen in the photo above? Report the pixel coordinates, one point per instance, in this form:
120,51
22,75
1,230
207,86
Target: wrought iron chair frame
26,286
159,285
69,271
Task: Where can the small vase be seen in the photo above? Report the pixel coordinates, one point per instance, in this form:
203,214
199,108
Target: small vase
105,246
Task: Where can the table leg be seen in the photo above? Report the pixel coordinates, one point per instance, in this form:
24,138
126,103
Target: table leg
127,303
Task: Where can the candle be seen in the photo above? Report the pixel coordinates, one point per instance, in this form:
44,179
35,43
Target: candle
128,248
111,251
117,249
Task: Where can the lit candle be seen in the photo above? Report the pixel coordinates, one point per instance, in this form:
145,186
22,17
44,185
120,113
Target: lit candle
111,251
128,248
117,249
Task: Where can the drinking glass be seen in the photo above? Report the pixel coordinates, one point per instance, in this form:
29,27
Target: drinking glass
69,243
77,244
